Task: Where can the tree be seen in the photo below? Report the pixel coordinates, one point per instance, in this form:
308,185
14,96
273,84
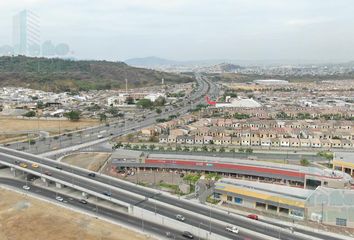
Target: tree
304,162
103,117
144,103
205,148
160,101
30,114
40,105
152,147
249,150
158,110
186,149
73,115
222,150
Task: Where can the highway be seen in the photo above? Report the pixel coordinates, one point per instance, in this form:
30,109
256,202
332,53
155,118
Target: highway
151,194
68,174
193,220
118,128
142,224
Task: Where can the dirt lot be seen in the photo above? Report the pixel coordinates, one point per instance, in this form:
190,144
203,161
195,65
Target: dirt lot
91,161
51,126
28,218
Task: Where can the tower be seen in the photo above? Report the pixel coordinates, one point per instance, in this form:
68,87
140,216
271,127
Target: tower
26,33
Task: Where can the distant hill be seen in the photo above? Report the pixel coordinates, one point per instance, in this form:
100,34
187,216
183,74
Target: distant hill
150,62
68,75
227,67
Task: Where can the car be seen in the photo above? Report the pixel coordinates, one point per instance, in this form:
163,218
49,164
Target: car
58,167
60,199
24,165
48,173
92,174
26,187
83,201
107,193
253,216
187,235
169,235
181,218
35,165
232,229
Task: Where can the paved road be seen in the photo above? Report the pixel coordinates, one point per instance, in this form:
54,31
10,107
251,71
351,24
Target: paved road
66,174
149,193
143,225
204,87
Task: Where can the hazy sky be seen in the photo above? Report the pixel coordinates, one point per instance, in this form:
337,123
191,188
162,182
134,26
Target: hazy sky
193,29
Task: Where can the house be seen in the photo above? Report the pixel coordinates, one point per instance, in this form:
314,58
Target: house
255,141
227,140
266,142
346,143
163,138
316,143
284,142
325,143
208,139
245,141
305,143
171,138
336,143
189,139
294,142
198,139
181,139
275,142
236,141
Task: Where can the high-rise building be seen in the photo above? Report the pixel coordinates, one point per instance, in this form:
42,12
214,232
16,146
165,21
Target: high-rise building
26,34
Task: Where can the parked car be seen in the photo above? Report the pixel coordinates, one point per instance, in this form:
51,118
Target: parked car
181,218
253,216
48,173
187,235
26,187
232,229
92,175
58,167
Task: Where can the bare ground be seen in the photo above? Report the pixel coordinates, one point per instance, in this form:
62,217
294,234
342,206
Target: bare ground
52,126
90,161
23,217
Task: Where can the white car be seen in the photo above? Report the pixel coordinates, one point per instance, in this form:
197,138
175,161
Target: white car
60,199
179,217
26,187
232,229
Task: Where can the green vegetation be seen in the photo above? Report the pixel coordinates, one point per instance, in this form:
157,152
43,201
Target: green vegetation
73,115
304,162
144,103
241,116
30,114
326,154
60,75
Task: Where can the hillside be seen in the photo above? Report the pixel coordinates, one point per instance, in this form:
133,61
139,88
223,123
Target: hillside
68,75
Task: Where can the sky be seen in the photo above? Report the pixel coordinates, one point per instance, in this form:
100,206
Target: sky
193,29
